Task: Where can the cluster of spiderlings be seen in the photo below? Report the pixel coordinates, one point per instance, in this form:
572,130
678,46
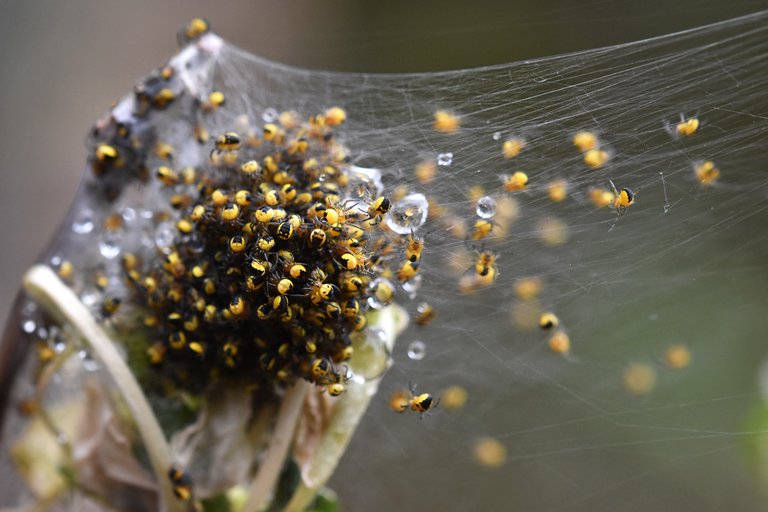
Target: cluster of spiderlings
118,144
278,248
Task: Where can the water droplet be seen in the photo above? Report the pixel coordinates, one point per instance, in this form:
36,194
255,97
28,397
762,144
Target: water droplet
357,378
417,350
59,347
90,297
270,115
444,159
496,135
83,222
129,215
486,207
42,332
29,326
372,356
55,261
411,287
88,362
408,214
365,181
374,301
165,234
147,214
109,246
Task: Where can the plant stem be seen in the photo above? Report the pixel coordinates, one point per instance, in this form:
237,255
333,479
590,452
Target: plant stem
269,470
348,411
42,284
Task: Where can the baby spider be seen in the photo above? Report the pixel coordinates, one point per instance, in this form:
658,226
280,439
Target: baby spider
414,248
229,141
686,127
378,208
425,313
622,200
420,403
485,265
333,380
181,482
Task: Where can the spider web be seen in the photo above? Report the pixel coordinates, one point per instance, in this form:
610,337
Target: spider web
685,264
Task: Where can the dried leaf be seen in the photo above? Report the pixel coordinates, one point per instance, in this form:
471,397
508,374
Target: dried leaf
103,455
220,448
313,423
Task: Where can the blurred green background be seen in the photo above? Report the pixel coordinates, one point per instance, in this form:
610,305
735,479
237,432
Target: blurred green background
63,63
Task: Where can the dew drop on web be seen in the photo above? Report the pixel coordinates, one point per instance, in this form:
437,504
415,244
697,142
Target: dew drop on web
109,246
444,159
486,207
83,223
417,350
408,214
